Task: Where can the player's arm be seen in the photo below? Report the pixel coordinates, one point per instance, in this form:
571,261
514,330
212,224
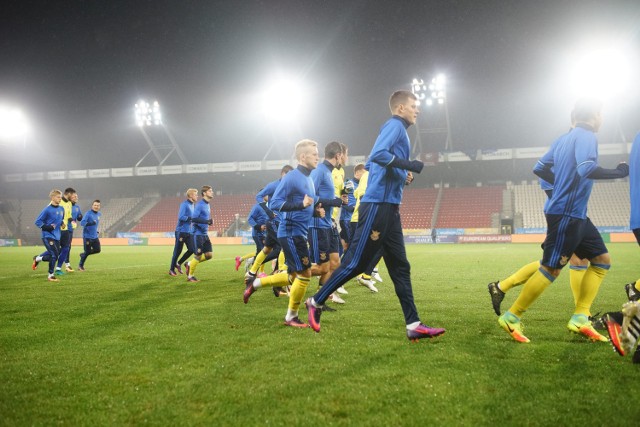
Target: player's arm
42,219
587,163
184,213
382,150
544,166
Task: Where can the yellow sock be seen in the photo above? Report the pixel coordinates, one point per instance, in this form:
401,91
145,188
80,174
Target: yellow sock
193,264
366,276
576,274
257,262
247,256
532,289
279,279
635,285
298,289
261,269
520,276
282,265
589,287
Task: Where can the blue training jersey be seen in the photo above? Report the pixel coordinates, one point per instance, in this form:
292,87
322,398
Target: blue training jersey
50,220
634,183
347,211
201,216
288,198
185,213
257,216
386,183
90,222
75,213
268,191
573,157
326,193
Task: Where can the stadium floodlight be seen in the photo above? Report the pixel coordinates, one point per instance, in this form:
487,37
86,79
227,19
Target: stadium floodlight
147,114
419,89
433,93
603,73
284,98
13,125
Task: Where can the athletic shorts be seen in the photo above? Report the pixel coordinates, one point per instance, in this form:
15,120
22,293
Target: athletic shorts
296,253
322,242
566,236
202,244
271,236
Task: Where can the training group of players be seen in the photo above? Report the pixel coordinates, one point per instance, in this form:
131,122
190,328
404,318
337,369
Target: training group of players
294,223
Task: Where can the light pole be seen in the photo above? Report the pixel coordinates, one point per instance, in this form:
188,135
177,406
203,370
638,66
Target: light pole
432,95
149,116
13,126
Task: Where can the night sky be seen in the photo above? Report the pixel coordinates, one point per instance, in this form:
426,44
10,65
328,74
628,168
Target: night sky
76,68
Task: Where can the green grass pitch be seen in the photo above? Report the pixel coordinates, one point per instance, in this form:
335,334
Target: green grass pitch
124,344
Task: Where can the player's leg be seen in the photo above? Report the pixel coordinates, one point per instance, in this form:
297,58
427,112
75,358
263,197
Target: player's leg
187,238
68,268
177,250
53,252
498,289
64,248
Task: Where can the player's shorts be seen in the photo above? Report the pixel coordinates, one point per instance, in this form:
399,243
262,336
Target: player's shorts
636,232
566,236
296,253
65,238
345,231
258,239
186,238
91,246
202,244
322,242
271,236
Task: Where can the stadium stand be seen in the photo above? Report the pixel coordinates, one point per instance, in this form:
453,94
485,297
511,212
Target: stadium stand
417,207
469,207
163,216
529,201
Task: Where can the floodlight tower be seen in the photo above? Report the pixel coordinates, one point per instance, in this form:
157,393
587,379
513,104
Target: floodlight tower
149,116
432,99
13,126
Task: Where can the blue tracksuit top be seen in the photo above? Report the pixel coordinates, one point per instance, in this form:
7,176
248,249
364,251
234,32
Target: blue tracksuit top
90,222
634,183
573,157
288,200
50,215
185,213
201,214
347,211
268,190
386,183
75,212
257,216
326,193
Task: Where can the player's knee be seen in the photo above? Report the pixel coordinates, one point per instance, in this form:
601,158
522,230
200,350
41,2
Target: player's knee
604,259
96,251
208,255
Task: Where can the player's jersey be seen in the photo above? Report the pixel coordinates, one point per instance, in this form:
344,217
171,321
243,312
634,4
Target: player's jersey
68,210
346,213
634,183
90,222
75,213
358,193
257,216
50,215
573,157
201,212
288,199
386,183
323,183
185,213
337,174
268,191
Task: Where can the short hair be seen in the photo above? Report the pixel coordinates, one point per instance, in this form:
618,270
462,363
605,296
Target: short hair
332,150
55,192
587,109
96,201
344,147
358,167
205,188
190,191
303,145
69,190
400,97
286,169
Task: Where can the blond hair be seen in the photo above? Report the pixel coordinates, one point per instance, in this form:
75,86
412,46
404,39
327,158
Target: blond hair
303,146
55,192
190,191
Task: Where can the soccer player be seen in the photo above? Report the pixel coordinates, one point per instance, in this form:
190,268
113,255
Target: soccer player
323,241
296,200
271,246
633,289
201,220
50,221
90,222
257,219
571,165
184,232
346,212
379,226
66,230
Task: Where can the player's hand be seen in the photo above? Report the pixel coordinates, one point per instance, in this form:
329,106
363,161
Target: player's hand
320,210
263,227
409,178
210,222
307,201
345,199
53,226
